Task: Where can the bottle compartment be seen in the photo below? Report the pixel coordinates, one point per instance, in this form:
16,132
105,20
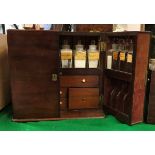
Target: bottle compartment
118,95
120,53
81,56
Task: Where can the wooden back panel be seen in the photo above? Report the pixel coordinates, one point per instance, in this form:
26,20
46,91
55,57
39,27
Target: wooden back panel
94,27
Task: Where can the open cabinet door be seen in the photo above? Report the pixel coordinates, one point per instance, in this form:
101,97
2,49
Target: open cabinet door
33,60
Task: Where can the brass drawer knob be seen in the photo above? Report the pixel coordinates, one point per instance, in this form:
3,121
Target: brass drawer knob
60,92
83,80
60,102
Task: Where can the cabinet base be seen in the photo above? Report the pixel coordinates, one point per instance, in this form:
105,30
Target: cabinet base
74,114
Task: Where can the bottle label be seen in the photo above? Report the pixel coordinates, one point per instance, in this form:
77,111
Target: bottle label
115,56
122,56
129,58
66,55
93,55
80,55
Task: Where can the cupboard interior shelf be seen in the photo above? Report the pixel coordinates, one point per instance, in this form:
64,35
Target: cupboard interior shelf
119,75
83,71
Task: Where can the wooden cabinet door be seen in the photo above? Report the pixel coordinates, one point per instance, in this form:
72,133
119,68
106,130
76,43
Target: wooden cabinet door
33,59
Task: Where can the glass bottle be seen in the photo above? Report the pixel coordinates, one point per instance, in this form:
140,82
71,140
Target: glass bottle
113,94
119,96
115,54
122,56
109,59
80,56
129,57
66,55
126,102
93,55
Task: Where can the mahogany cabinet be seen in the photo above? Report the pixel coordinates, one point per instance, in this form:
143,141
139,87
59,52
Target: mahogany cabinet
43,90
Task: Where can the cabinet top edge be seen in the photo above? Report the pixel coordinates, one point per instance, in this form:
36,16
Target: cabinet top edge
130,33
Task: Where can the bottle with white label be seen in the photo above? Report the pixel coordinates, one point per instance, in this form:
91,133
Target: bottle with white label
93,55
80,56
66,55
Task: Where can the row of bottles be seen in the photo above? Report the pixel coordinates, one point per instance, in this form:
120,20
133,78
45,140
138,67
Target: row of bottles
120,56
79,55
119,97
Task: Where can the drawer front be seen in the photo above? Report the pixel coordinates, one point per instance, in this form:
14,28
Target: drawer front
79,81
63,103
63,92
83,98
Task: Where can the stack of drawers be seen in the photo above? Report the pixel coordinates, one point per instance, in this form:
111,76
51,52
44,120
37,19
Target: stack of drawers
79,92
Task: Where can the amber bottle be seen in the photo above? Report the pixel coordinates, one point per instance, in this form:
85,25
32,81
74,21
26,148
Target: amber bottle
115,55
122,56
129,59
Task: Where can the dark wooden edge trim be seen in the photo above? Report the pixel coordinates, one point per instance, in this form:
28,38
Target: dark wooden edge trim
122,117
119,75
53,119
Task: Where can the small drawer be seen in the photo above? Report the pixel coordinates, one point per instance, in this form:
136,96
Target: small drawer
83,98
79,81
63,103
63,92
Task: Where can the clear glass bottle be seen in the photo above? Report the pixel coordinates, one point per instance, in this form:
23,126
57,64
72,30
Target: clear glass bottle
66,55
119,97
80,56
113,95
122,56
93,55
129,59
115,54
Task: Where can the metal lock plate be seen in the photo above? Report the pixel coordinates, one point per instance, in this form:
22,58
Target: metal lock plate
54,77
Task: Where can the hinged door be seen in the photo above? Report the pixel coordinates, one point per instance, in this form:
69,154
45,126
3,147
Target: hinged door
33,58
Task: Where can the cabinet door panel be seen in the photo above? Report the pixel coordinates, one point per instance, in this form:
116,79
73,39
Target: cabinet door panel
33,58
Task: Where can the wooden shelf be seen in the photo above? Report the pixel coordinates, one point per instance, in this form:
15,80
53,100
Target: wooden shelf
80,71
126,33
118,75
